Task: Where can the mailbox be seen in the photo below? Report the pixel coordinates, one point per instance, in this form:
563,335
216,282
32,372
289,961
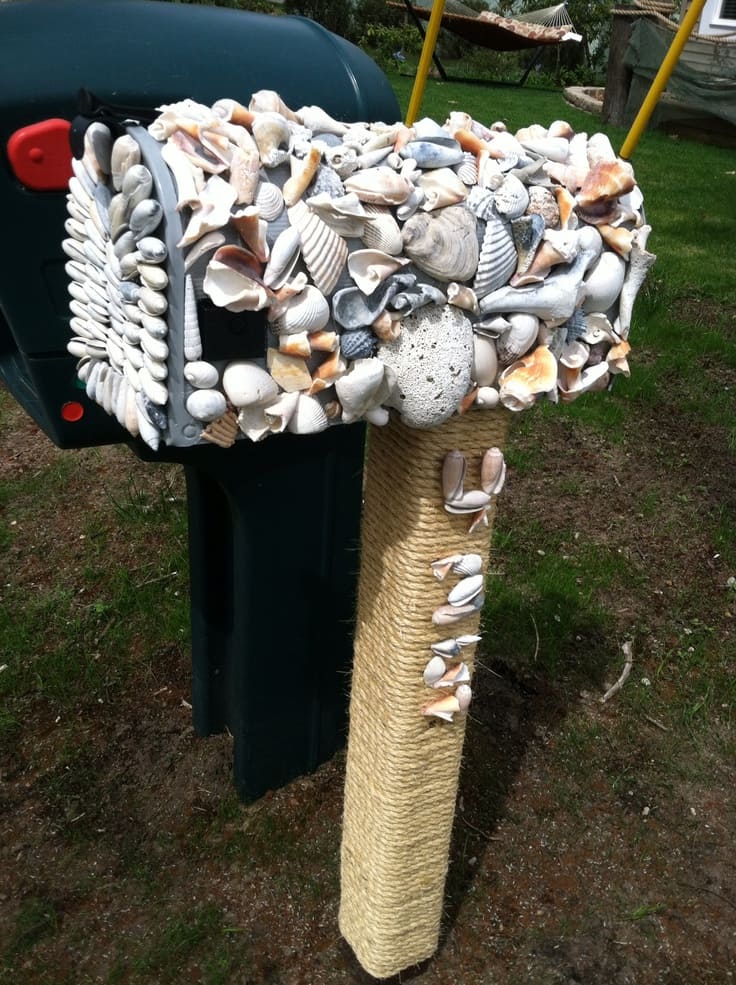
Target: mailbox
64,67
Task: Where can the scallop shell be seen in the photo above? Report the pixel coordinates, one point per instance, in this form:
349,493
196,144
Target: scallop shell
323,250
308,416
498,258
381,231
379,186
523,380
467,169
247,383
269,200
511,198
307,311
369,268
444,243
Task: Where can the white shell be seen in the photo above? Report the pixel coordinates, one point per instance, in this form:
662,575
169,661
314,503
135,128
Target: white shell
323,250
381,231
206,405
369,268
498,258
466,590
307,311
308,416
202,375
247,383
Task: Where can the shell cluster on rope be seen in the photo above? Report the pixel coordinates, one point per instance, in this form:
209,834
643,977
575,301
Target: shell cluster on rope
432,269
446,668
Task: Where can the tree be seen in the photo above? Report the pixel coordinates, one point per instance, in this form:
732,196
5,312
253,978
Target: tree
335,15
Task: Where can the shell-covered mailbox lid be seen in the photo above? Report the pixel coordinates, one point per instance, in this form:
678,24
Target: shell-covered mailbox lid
236,272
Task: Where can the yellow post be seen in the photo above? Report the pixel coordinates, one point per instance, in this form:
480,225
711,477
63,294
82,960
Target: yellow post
661,78
430,40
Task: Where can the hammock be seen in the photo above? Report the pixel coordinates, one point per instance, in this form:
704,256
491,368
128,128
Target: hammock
551,25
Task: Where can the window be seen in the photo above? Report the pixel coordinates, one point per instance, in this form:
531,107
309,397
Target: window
728,10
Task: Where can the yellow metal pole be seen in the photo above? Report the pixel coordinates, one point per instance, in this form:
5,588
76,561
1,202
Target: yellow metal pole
430,40
661,78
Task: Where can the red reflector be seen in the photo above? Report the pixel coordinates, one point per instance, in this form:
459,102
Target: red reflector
40,155
72,411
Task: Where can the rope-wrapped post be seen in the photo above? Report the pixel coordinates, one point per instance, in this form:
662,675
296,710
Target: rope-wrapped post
403,765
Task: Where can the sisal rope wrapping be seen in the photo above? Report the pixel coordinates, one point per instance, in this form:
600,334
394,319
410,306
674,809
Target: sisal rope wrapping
402,767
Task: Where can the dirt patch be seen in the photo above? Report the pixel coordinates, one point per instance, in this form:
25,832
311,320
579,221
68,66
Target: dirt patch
593,843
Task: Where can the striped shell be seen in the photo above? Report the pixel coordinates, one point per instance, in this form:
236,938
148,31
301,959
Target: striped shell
443,243
307,311
511,197
381,231
323,250
269,200
497,260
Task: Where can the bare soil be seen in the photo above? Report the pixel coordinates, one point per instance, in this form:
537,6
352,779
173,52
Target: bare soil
593,842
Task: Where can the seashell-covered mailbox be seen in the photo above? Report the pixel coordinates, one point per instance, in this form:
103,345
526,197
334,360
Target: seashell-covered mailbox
237,272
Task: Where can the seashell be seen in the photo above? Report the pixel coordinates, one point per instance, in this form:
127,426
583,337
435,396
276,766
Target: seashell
469,502
497,258
379,186
98,149
291,373
572,383
272,135
431,154
618,238
284,255
640,261
269,200
229,282
457,673
527,232
206,405
192,339
189,179
574,354
462,297
302,173
152,249
152,412
268,101
295,345
148,431
410,206
616,358
343,159
307,311
552,148
153,276
152,302
124,154
492,471
381,231
407,302
202,375
603,282
434,670
518,338
360,343
308,416
446,648
361,388
156,349
444,708
246,383
244,173
158,370
252,422
444,243
329,370
324,341
371,267
319,121
252,231
155,326
344,213
599,150
137,186
467,169
542,201
155,390
605,181
468,564
441,187
442,567
523,380
212,212
323,250
222,431
554,299
279,413
145,217
485,361
511,198
454,467
447,615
